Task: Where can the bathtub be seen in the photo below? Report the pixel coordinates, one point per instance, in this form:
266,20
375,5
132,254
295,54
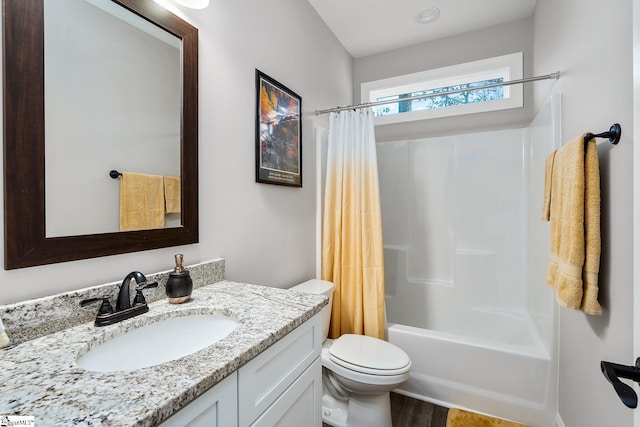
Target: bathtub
504,370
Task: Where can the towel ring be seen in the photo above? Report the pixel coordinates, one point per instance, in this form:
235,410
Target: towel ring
614,134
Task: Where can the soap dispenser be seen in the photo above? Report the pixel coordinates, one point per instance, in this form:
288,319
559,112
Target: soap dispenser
179,284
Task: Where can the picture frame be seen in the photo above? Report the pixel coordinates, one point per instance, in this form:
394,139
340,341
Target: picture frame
278,133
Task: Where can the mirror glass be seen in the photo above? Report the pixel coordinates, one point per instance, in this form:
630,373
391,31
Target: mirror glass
117,107
91,86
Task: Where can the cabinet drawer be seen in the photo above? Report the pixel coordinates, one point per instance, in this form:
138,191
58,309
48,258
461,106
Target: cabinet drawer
268,375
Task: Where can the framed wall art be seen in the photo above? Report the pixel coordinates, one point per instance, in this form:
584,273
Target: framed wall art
278,133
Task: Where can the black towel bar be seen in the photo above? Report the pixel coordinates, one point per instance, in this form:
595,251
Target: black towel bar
613,134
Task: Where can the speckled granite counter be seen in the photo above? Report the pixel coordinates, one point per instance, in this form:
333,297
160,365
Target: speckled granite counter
40,377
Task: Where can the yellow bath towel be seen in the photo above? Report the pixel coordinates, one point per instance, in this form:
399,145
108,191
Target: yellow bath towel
172,194
141,201
575,226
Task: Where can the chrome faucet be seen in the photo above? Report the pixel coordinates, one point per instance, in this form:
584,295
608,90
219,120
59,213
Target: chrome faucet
124,308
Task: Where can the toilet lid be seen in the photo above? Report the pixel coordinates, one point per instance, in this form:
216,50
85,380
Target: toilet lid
369,355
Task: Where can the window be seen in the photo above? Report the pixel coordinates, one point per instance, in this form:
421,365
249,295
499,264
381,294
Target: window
454,78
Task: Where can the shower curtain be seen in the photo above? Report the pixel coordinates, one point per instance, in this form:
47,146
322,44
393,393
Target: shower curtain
352,248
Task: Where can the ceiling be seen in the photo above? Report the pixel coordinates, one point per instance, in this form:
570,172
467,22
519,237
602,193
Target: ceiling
366,27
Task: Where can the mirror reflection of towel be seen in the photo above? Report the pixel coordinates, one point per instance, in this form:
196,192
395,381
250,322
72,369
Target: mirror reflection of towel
141,201
172,194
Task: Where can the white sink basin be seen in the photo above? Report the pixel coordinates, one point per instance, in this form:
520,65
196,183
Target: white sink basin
157,343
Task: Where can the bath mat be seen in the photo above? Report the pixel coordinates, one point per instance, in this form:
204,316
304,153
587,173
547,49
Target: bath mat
460,418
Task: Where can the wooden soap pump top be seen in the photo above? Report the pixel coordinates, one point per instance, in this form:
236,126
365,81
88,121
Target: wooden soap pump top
179,268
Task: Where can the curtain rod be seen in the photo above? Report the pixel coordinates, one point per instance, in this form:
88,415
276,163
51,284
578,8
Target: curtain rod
554,76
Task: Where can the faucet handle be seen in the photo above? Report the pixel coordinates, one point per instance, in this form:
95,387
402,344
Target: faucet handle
139,298
105,307
145,285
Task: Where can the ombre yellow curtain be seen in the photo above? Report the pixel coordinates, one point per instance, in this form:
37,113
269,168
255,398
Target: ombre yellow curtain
352,247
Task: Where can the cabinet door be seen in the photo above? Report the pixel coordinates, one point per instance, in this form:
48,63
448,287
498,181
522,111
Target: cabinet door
300,405
217,407
268,375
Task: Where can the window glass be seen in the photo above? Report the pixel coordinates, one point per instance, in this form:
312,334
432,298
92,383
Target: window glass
455,78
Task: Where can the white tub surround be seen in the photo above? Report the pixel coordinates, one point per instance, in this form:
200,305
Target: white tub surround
465,260
40,377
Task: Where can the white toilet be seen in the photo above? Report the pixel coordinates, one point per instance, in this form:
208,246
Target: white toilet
358,372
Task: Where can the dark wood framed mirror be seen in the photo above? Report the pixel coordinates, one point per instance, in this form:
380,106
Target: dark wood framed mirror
26,241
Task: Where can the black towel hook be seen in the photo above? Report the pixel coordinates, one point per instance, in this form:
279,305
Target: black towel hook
614,134
114,174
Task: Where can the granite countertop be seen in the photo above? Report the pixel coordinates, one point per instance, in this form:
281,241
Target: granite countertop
40,377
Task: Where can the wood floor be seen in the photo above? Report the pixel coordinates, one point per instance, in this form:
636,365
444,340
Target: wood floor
408,412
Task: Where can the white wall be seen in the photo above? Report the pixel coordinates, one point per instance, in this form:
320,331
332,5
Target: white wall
266,233
590,42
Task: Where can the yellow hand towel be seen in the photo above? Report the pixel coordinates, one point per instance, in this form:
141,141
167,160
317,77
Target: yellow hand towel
141,201
575,226
172,194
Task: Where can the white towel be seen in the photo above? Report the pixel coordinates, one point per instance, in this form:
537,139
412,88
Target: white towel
4,338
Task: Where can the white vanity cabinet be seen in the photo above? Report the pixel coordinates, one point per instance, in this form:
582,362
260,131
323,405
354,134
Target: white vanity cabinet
282,386
217,407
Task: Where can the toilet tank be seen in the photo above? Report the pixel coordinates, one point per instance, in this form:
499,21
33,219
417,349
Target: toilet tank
319,287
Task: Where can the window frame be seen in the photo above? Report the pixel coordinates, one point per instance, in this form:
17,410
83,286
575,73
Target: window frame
509,67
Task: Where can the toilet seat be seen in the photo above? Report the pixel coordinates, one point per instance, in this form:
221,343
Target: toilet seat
369,355
372,380
391,363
